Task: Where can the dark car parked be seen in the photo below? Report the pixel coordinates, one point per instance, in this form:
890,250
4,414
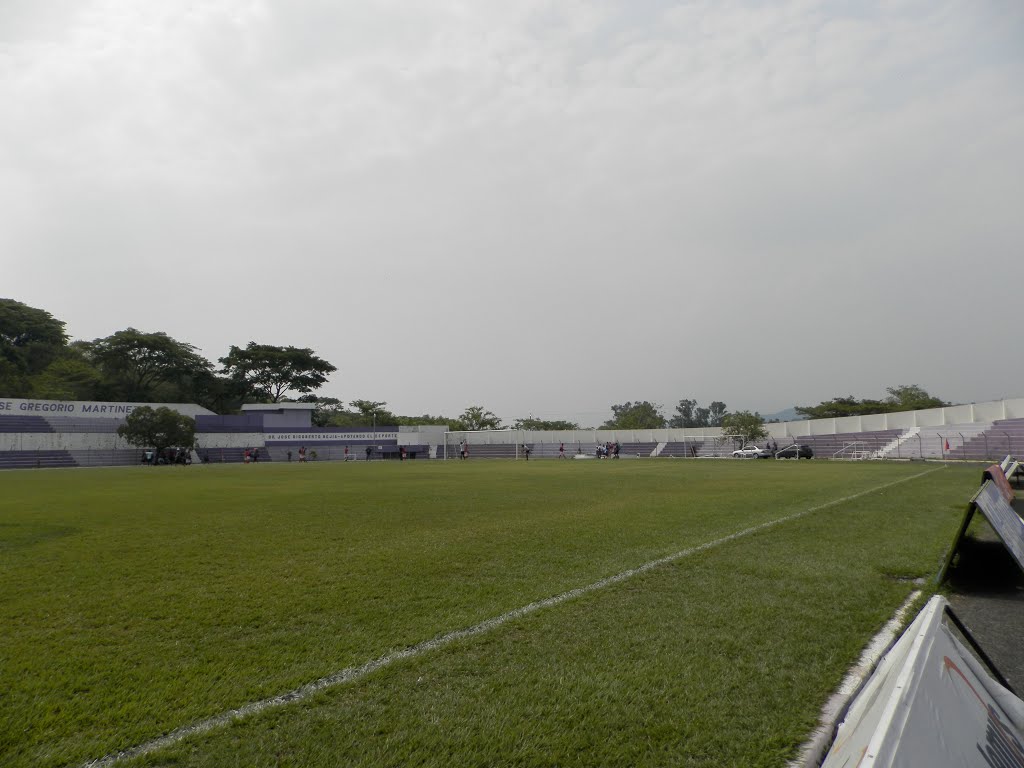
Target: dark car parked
795,452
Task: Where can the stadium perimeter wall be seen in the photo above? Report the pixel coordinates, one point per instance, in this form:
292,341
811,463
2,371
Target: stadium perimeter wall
787,430
68,438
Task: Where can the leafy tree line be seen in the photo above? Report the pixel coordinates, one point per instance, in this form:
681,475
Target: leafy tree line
645,415
38,361
331,412
906,397
742,426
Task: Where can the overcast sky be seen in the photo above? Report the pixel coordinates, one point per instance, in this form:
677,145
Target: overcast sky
542,207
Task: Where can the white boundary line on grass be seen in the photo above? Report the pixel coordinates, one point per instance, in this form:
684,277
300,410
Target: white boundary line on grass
354,673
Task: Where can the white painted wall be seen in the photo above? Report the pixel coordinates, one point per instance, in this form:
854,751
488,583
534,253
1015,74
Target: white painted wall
959,414
89,409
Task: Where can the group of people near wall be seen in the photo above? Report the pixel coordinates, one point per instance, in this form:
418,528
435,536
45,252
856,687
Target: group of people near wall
167,456
608,450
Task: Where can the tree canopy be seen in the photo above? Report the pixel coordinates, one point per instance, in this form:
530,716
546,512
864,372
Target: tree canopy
638,415
542,425
30,339
135,364
906,397
159,429
270,372
689,414
744,427
477,417
372,412
70,377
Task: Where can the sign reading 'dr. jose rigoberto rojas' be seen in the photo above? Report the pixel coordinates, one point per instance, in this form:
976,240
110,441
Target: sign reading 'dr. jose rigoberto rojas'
334,437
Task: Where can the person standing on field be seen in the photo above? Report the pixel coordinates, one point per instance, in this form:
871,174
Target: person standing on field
561,450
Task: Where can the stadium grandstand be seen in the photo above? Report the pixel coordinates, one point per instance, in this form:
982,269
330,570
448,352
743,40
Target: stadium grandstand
47,433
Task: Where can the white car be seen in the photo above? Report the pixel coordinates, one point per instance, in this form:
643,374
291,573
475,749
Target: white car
751,452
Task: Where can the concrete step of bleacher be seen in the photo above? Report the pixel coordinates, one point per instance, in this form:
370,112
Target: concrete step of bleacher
17,424
70,424
112,457
35,459
681,450
1005,436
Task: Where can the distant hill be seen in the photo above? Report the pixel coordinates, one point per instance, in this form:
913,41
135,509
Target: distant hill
789,414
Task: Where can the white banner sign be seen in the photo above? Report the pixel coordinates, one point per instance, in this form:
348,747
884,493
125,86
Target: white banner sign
930,703
334,437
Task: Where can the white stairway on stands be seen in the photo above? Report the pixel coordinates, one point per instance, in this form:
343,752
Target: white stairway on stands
885,450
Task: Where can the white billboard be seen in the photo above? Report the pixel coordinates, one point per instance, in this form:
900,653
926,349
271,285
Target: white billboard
931,702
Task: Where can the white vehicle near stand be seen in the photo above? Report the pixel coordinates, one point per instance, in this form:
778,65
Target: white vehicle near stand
751,452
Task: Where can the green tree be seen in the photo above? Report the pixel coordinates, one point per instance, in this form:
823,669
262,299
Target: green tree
839,407
907,397
159,428
269,372
371,412
910,397
716,413
689,414
638,415
540,425
412,421
327,411
476,417
221,394
684,414
144,367
744,427
30,339
70,377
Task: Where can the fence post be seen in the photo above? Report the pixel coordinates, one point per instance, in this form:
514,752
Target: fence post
920,446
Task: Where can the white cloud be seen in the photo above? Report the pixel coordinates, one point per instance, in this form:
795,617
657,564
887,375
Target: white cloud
638,177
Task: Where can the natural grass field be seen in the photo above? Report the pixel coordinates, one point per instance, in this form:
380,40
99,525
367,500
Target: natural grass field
136,601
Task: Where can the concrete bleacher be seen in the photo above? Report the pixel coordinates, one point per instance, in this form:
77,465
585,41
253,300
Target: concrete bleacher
229,455
35,459
716,448
337,452
848,445
107,457
1002,437
681,450
930,442
483,451
24,425
636,450
82,425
